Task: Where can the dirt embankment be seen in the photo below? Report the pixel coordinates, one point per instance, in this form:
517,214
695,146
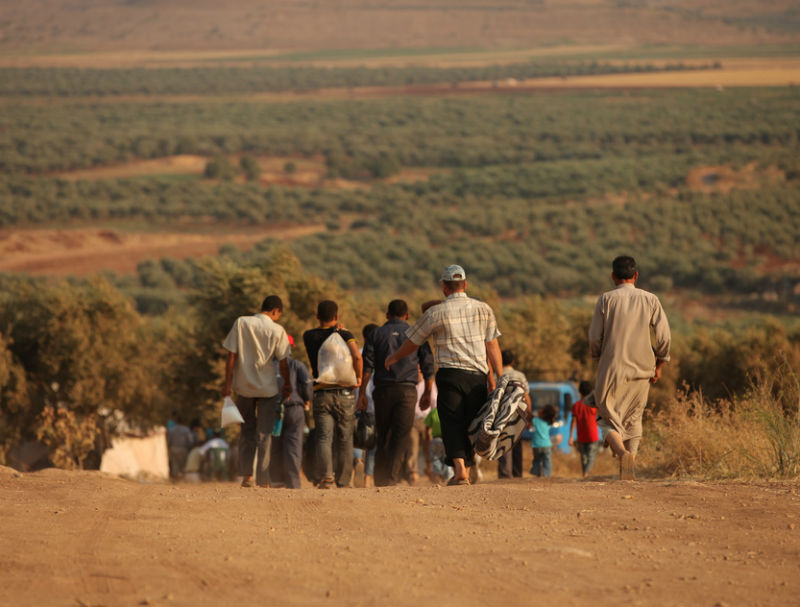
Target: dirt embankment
86,251
89,539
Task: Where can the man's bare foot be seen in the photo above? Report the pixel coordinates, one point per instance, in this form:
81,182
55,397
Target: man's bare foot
459,468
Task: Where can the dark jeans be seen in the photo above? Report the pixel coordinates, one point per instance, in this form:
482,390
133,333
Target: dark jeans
542,461
461,396
286,453
510,464
256,435
334,421
588,453
177,461
394,420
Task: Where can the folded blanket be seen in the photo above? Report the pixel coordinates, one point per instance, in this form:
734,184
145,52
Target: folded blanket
501,421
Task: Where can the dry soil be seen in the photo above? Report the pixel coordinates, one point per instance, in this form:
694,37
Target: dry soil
83,538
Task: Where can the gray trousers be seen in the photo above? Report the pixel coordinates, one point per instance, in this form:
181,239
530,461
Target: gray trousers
256,435
334,420
510,463
286,453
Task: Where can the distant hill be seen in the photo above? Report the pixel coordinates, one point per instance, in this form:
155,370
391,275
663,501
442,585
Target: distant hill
81,25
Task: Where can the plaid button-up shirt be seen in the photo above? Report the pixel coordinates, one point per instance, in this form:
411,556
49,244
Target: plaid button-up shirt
460,326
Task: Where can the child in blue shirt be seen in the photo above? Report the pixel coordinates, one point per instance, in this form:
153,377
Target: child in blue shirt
541,443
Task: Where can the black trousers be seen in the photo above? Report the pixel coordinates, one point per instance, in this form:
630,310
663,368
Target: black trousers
510,464
394,420
461,396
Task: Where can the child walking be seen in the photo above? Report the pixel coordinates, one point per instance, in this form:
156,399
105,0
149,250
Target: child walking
584,418
441,472
542,443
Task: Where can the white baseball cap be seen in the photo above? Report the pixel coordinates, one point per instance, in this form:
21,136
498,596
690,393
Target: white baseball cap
453,272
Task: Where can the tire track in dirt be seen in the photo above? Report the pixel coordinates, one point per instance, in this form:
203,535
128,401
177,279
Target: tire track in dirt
94,573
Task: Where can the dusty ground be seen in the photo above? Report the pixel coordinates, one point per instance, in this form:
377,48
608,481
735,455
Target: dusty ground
84,538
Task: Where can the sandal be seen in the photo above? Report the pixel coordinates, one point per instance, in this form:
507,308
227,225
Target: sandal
457,481
325,483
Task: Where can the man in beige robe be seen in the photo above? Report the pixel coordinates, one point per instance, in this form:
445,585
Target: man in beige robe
619,338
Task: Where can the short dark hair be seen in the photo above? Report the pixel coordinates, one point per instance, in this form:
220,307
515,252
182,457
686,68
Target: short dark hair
272,302
455,285
508,357
327,310
624,267
585,387
548,414
397,308
368,329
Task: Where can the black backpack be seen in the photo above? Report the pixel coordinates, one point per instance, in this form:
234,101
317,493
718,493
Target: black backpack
365,431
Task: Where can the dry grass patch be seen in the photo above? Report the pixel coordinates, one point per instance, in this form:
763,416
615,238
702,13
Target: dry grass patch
275,170
755,436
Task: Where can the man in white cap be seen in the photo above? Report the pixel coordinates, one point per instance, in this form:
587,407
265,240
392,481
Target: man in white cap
465,336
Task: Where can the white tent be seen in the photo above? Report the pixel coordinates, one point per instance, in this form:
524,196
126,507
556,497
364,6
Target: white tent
140,457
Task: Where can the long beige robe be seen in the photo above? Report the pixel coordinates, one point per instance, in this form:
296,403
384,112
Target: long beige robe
619,337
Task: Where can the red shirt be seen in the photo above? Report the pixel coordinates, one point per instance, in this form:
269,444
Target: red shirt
586,422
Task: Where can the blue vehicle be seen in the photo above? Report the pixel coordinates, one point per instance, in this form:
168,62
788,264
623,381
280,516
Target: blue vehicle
562,395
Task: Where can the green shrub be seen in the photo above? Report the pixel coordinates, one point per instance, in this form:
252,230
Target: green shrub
251,168
219,168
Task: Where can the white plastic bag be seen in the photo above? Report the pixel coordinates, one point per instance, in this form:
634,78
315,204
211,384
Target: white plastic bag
230,413
335,363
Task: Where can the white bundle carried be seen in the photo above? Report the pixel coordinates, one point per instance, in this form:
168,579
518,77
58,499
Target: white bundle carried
230,413
335,363
501,421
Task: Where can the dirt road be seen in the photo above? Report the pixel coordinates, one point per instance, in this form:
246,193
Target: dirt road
83,538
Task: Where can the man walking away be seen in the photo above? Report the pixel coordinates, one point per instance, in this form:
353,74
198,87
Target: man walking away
252,344
365,459
286,453
333,404
180,441
619,337
510,464
465,336
395,392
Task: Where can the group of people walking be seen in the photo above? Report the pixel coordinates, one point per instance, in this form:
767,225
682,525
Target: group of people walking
454,346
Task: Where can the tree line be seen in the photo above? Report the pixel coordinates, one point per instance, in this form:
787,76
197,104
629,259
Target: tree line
73,82
446,132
